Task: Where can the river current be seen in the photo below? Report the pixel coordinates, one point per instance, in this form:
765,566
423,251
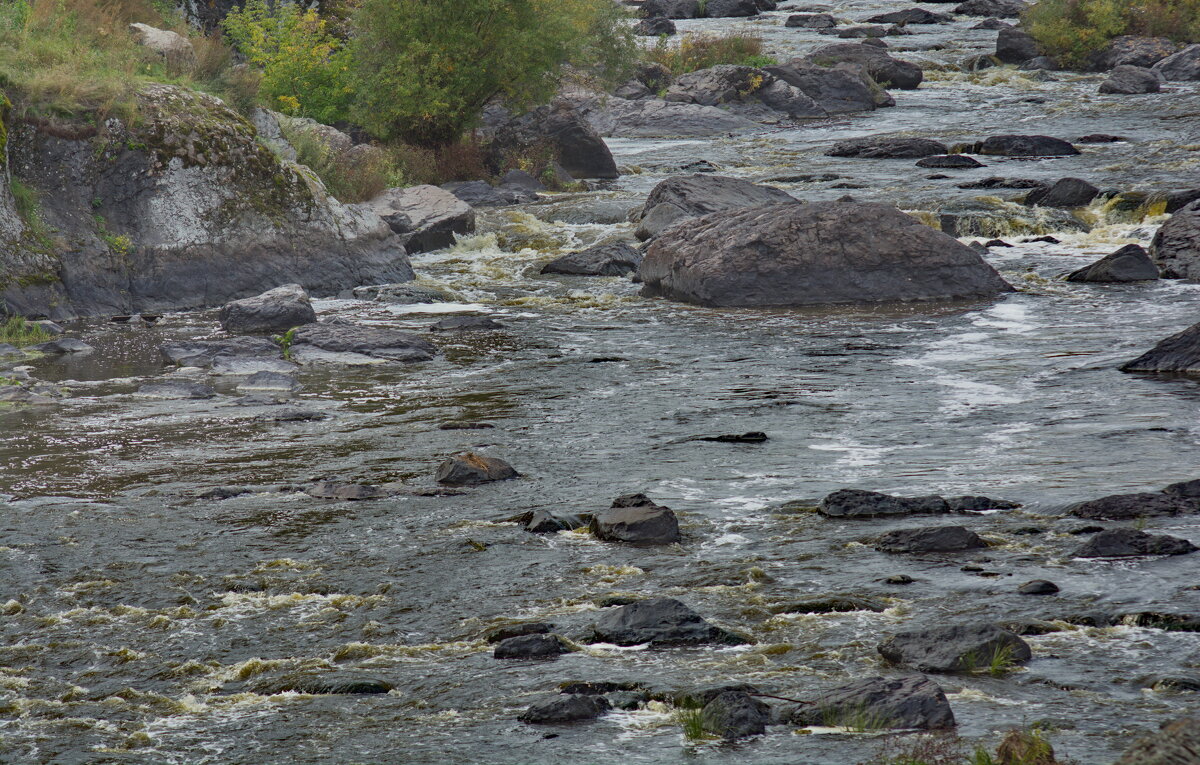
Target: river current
141,623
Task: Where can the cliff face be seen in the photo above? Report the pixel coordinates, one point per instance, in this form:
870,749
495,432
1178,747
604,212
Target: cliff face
179,208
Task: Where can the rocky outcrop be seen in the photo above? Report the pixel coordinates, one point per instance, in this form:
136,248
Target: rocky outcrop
1131,263
781,255
428,218
955,648
1176,743
181,209
636,519
1120,543
1176,245
690,196
660,621
1132,50
914,701
877,147
1179,353
471,469
608,259
276,310
559,127
930,539
1183,66
1065,192
1025,146
744,90
1131,80
887,71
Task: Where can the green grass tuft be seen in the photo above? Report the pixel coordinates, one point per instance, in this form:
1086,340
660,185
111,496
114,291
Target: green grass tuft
16,330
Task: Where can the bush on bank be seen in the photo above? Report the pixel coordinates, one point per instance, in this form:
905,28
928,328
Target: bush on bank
1073,30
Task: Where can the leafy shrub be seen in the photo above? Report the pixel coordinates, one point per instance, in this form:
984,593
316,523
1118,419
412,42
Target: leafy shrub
350,177
305,69
425,70
1073,30
700,51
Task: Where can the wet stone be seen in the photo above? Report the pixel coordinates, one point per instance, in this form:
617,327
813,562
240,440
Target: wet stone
62,345
345,491
950,161
518,630
295,414
204,353
914,701
659,621
733,715
536,646
466,426
273,382
830,605
955,648
566,709
1038,587
546,522
466,324
857,503
470,469
1128,507
636,519
1131,263
178,389
238,366
929,539
1131,542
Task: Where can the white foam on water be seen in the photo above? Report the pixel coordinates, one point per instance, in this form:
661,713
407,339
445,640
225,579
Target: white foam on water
437,308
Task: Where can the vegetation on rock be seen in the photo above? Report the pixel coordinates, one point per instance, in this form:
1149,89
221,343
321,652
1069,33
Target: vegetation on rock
1073,30
700,51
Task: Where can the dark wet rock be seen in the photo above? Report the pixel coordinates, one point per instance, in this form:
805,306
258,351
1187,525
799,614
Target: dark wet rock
659,621
598,687
576,146
996,182
1001,9
744,89
608,259
719,9
537,646
334,683
269,382
1099,138
734,715
566,708
914,701
62,346
777,255
471,469
341,336
910,16
1044,239
857,32
1025,146
636,519
1173,683
1038,587
972,504
546,522
466,324
992,23
1131,542
203,353
518,630
899,579
1132,50
672,9
955,648
887,71
811,21
753,437
1128,507
224,492
521,180
877,147
402,294
1176,245
838,90
1170,622
952,161
1189,489
1131,263
1066,192
1040,63
345,491
700,697
483,194
426,216
1085,530
656,26
1131,80
830,605
929,539
466,426
1177,200
181,389
690,196
1015,46
857,503
628,701
295,414
1183,66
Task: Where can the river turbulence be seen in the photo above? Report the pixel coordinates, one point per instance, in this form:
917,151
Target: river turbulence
145,624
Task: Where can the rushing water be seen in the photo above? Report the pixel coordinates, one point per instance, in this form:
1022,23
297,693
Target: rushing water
139,620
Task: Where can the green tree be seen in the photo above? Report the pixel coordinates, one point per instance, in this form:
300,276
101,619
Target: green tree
424,69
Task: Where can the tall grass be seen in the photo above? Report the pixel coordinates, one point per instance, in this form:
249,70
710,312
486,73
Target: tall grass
700,51
1073,30
19,332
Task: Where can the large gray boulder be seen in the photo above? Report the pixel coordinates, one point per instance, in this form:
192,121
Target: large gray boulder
691,196
1132,50
857,503
998,9
836,90
172,46
182,208
930,539
1124,543
1176,245
659,621
1128,507
813,254
735,714
607,259
913,701
887,71
1015,46
909,16
1179,353
883,147
1065,192
955,648
576,145
565,708
1183,66
426,216
739,87
1131,263
1130,81
1025,146
276,310
656,118
471,469
637,520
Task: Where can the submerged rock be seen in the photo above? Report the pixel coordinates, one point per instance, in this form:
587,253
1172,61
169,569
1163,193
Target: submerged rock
1131,263
1176,245
180,389
533,646
1038,587
466,324
878,147
1025,146
659,621
429,218
956,648
778,255
332,683
857,503
930,539
950,161
1128,507
345,491
636,519
267,381
206,353
733,715
1131,542
471,469
914,701
62,346
341,336
517,630
830,605
690,196
608,259
565,708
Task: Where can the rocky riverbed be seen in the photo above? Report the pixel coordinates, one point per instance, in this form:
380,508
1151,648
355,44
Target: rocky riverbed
245,557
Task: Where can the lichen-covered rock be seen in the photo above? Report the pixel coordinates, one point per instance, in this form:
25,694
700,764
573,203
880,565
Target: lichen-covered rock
427,217
182,209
